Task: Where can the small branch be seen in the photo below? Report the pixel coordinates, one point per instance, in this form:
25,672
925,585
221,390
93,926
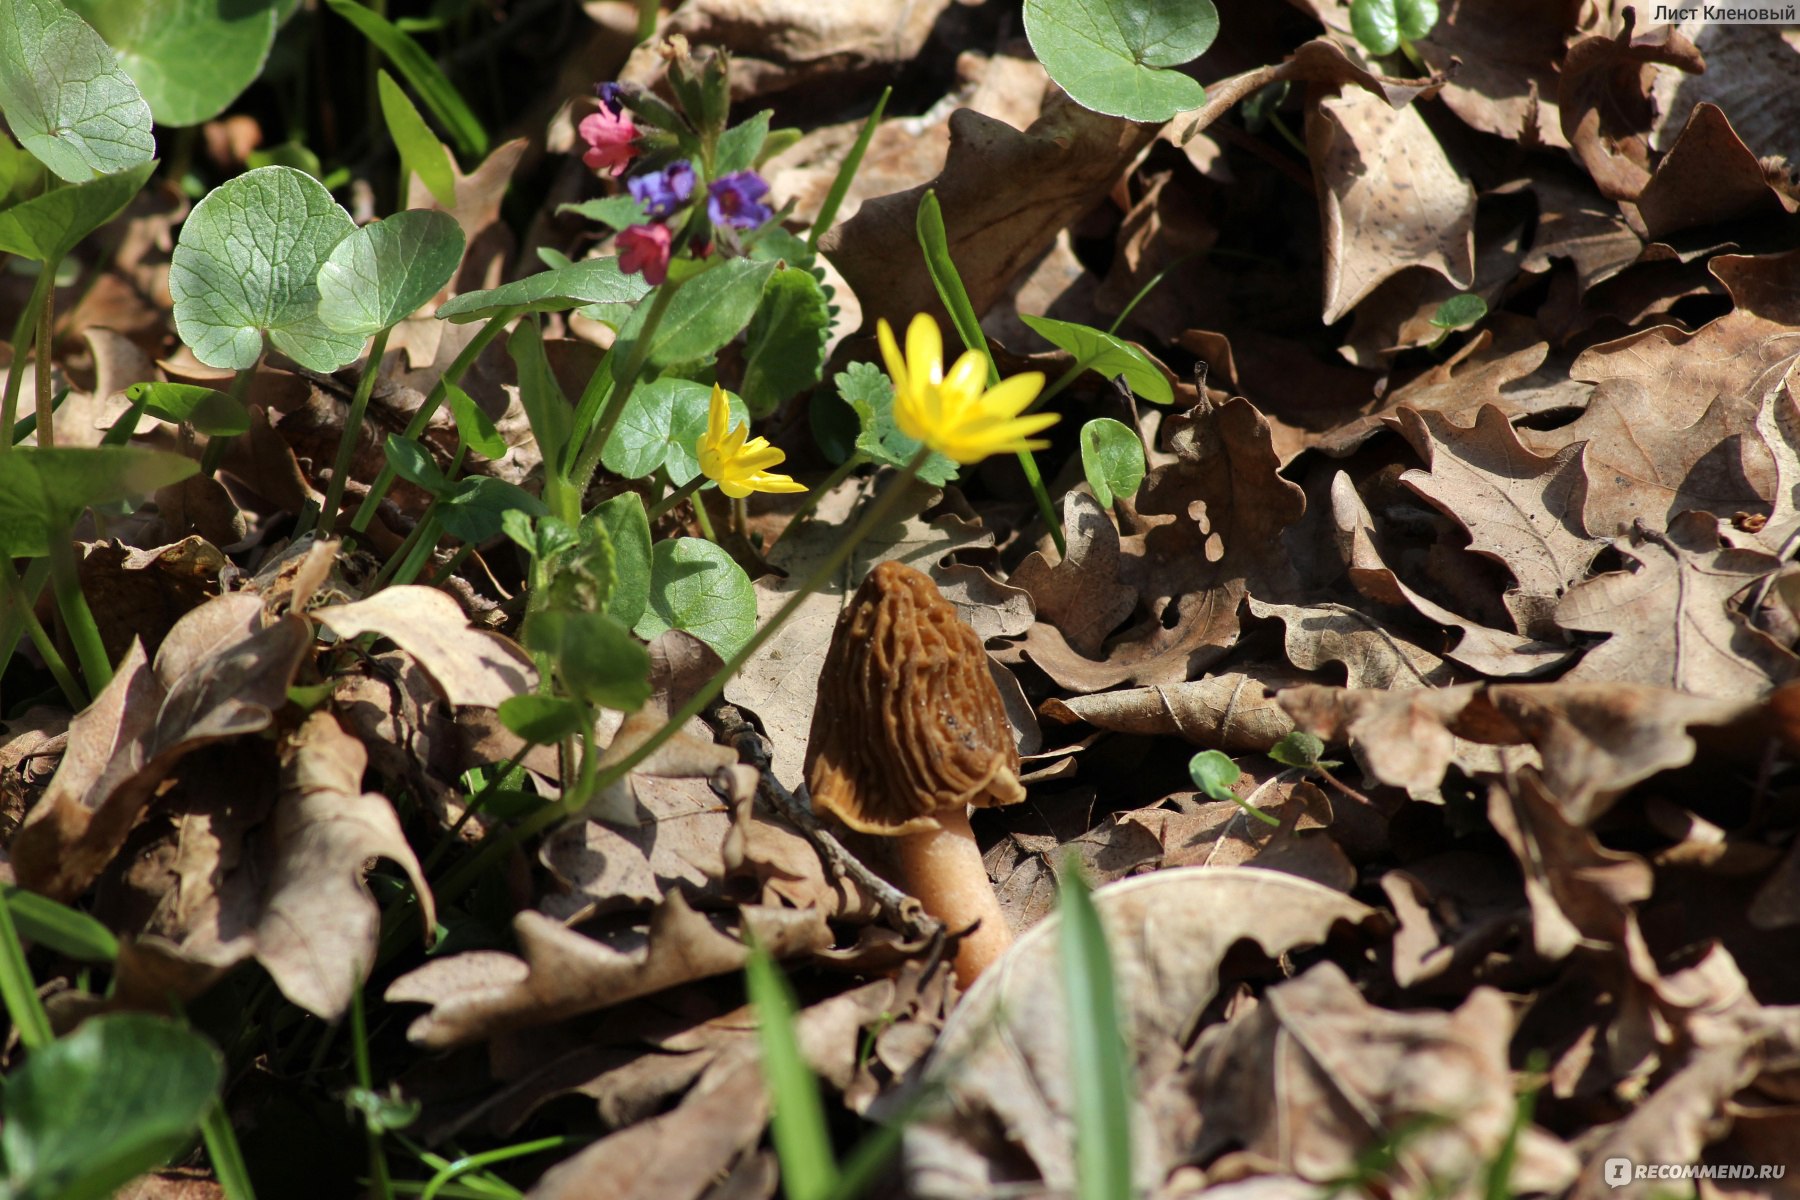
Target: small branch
898,907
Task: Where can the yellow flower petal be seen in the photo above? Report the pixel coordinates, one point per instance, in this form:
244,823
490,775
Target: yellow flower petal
890,354
924,352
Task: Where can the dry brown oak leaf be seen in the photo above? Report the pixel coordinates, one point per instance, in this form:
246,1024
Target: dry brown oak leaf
1602,92
1522,510
1389,198
1671,619
221,673
1226,506
1708,177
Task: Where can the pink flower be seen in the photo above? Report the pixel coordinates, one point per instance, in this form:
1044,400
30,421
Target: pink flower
645,248
611,139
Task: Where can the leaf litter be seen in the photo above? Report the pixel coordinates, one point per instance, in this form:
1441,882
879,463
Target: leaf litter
1532,583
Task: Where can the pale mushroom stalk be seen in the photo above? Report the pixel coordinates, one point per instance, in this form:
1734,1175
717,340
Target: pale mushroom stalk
943,868
909,732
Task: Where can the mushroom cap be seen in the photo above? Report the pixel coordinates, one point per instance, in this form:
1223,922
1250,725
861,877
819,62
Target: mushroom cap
908,721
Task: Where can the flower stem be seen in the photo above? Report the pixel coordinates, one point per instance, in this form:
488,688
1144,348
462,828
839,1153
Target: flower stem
676,497
78,618
46,430
588,461
21,341
878,514
353,422
14,599
439,393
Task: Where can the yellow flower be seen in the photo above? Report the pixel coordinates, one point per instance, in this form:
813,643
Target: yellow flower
957,414
737,465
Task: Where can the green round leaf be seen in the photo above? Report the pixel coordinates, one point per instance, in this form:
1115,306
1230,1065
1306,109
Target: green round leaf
784,350
1110,356
1112,457
381,273
695,585
474,511
47,227
112,1100
1297,749
628,528
65,96
247,264
1213,772
1460,311
596,658
1380,24
43,491
542,720
659,427
161,44
1113,55
207,411
591,281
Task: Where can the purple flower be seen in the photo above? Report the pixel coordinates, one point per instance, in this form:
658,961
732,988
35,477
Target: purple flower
610,97
735,200
662,192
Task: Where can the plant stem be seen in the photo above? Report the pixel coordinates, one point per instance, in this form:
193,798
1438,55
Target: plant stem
439,393
353,421
878,514
46,428
365,1079
18,990
1045,510
214,454
13,599
21,342
226,1156
702,519
588,461
475,1162
11,626
676,497
78,618
428,530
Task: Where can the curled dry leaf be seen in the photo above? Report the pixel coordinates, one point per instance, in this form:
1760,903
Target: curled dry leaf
1389,198
1233,711
221,673
1333,1076
1004,1055
1500,57
1605,109
472,666
565,973
1708,177
1372,655
1082,595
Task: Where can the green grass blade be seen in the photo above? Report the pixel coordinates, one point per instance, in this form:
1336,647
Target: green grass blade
63,929
19,990
226,1156
802,1139
410,59
1096,1049
840,186
935,242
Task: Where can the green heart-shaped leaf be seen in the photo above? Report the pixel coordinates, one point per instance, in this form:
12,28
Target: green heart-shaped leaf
695,585
1096,350
1113,56
43,491
247,264
1112,458
596,657
65,95
381,273
1380,24
47,227
784,350
112,1100
161,43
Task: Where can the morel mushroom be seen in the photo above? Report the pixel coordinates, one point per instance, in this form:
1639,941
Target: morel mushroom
908,733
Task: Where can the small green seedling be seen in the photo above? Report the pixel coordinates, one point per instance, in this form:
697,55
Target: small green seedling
1112,458
1461,311
1213,772
1302,749
1383,26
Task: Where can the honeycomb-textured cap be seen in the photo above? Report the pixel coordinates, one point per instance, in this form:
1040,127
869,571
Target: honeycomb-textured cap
908,720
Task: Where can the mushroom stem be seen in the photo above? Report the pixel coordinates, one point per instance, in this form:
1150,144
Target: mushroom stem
943,868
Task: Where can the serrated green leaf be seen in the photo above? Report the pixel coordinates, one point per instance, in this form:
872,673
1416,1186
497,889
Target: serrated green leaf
696,586
591,281
1096,350
474,427
628,528
206,410
542,720
161,44
614,212
784,351
43,491
47,227
1112,458
868,390
419,148
382,272
413,463
702,316
740,145
112,1100
475,509
426,78
595,656
247,264
65,96
1113,56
